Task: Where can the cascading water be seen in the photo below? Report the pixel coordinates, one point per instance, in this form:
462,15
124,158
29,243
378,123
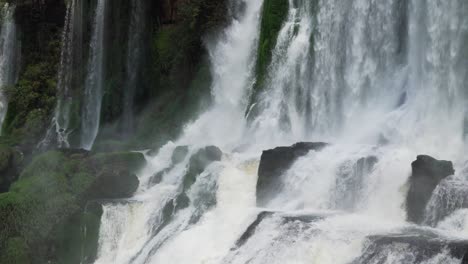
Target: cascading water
92,101
138,16
60,128
9,54
381,81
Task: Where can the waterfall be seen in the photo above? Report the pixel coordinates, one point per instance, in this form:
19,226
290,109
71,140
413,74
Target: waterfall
9,54
137,28
61,126
381,81
94,84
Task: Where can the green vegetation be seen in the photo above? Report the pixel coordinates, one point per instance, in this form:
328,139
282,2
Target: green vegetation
273,15
45,207
48,201
32,99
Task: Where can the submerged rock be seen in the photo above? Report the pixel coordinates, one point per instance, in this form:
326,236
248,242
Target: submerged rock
427,173
275,162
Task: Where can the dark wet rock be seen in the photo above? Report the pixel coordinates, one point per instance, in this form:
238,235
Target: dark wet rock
427,173
306,218
75,153
412,247
275,162
115,177
10,161
179,154
285,218
252,227
113,183
199,162
157,178
402,100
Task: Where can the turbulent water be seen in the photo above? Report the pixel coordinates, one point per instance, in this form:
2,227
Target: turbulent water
382,81
94,83
9,54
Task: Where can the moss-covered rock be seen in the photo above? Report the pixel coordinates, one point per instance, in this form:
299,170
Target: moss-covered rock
15,252
46,205
10,160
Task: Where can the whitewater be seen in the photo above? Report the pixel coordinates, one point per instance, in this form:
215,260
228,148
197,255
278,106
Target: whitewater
378,80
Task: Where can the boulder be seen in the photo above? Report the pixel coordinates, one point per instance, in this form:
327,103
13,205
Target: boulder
115,177
199,162
179,154
274,162
427,173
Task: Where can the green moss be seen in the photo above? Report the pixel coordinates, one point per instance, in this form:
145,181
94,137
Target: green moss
130,160
91,223
15,252
6,154
80,235
273,16
9,217
43,164
31,102
45,207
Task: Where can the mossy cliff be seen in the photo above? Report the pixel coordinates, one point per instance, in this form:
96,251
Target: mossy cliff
46,199
32,99
177,79
44,211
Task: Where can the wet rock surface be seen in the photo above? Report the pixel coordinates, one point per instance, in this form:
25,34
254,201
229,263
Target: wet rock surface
427,173
412,246
274,162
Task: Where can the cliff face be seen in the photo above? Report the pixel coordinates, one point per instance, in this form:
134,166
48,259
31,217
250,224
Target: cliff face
172,84
172,64
32,99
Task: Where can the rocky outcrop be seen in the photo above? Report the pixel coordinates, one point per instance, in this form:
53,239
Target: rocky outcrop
413,247
179,154
427,173
275,162
285,219
10,160
44,207
199,162
115,174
